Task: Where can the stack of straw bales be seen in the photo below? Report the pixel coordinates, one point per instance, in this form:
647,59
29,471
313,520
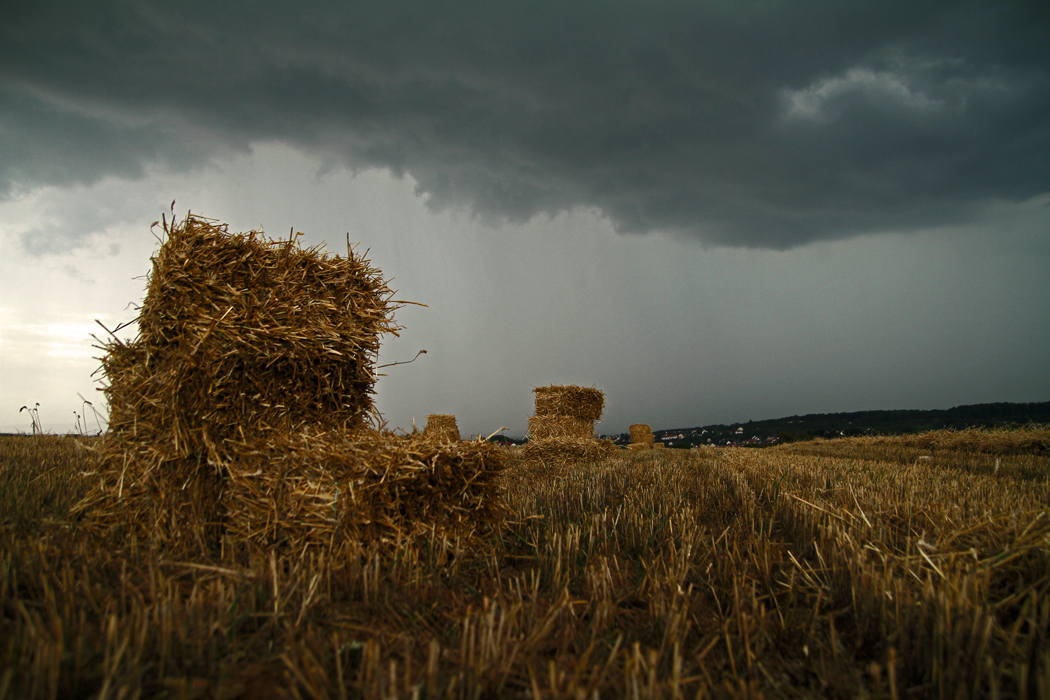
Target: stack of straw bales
246,346
641,437
442,426
562,431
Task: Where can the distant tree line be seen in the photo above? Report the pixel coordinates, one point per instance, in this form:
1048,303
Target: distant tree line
898,422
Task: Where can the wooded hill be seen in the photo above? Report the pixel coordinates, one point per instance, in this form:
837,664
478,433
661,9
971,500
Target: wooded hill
897,422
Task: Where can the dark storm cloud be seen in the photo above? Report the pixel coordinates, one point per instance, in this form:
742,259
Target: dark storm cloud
762,124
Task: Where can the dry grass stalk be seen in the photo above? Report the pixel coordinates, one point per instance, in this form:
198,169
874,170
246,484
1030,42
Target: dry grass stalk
574,401
543,427
442,426
641,434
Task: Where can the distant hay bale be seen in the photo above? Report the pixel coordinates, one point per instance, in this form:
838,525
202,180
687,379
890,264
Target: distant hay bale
562,431
546,427
245,347
574,401
641,434
567,451
640,446
442,426
659,445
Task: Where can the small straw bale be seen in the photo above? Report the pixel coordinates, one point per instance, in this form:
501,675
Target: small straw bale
659,446
544,427
641,434
640,446
442,426
309,490
567,451
574,401
176,503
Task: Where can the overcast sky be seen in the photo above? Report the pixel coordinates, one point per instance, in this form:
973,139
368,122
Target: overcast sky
712,211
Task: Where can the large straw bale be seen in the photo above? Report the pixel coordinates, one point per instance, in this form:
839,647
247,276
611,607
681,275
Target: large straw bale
567,451
239,339
442,426
641,434
545,427
240,335
574,401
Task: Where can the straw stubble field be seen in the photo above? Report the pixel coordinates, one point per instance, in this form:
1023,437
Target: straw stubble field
831,569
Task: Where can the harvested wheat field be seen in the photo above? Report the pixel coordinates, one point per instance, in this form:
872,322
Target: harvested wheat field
842,569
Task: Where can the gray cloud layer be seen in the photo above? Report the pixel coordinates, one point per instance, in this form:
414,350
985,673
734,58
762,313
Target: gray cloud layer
762,124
